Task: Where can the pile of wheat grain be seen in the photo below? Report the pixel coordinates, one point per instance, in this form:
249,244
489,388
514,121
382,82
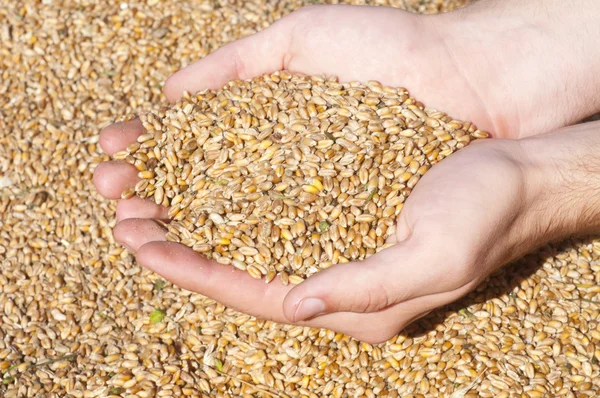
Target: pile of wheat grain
78,316
287,175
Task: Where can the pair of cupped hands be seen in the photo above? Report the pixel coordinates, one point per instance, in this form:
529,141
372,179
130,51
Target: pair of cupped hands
472,213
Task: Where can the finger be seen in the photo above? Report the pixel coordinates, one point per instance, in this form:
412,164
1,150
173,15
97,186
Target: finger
374,327
252,56
394,275
112,178
134,233
192,271
116,137
235,288
378,327
136,207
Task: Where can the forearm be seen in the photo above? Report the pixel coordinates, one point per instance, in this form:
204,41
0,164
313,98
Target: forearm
563,170
552,53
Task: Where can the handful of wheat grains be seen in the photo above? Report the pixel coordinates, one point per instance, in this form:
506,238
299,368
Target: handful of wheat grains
288,174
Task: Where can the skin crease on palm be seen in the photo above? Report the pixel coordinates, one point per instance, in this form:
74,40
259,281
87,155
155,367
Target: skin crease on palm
468,216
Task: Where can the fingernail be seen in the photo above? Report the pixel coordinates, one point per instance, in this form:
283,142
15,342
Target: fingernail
309,308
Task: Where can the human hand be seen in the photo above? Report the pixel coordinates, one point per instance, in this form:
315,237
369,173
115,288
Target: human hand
304,44
505,65
468,215
485,206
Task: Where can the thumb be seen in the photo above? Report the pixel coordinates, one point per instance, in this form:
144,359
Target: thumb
393,275
260,53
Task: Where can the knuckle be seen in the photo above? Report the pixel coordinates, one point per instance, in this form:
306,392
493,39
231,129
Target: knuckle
373,299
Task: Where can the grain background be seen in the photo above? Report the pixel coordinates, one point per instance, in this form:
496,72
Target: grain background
76,311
